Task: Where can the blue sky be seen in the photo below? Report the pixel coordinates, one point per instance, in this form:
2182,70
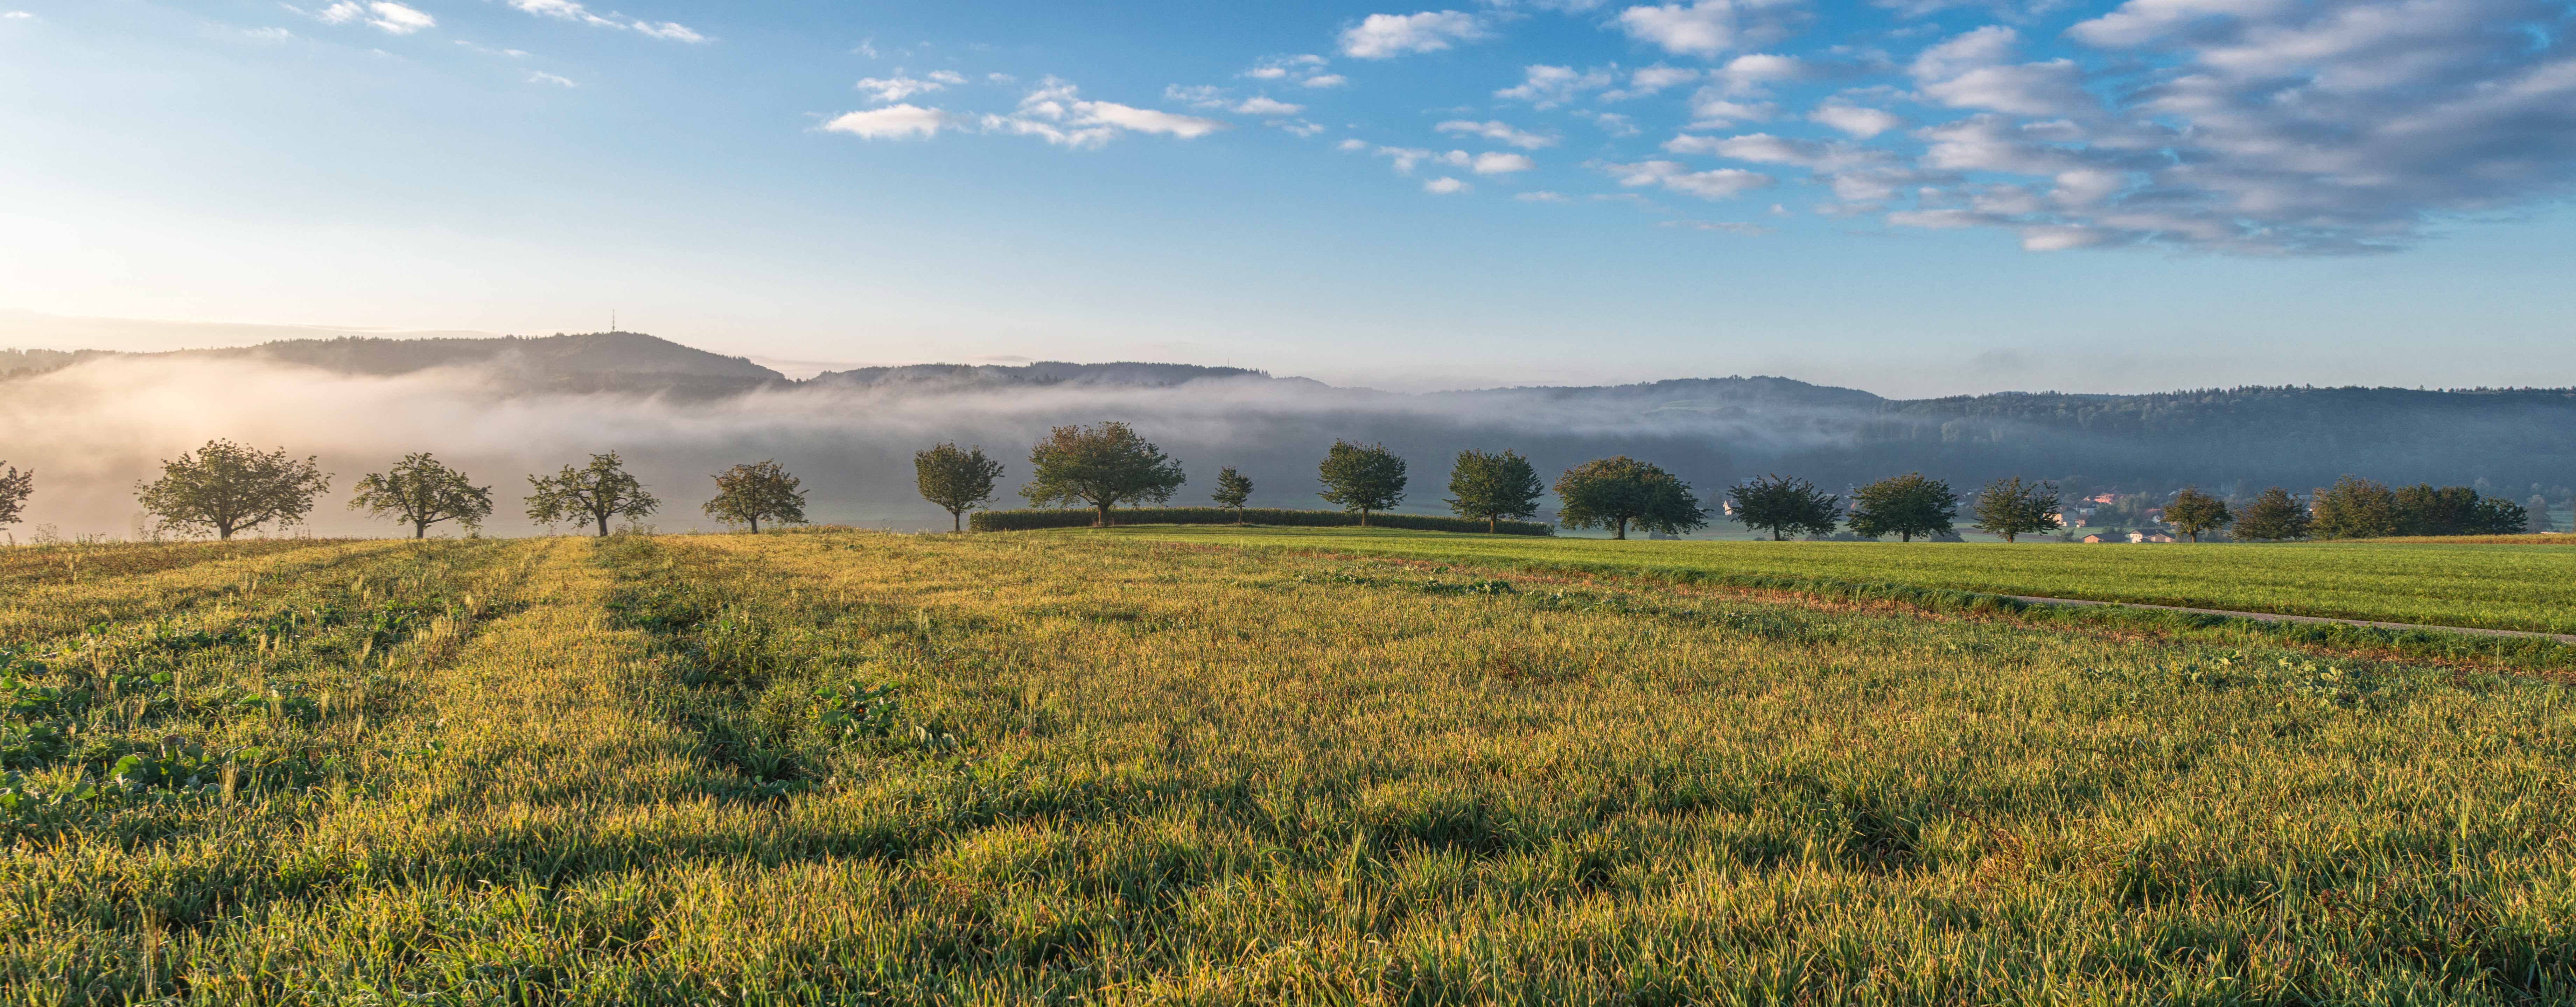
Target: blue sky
1915,197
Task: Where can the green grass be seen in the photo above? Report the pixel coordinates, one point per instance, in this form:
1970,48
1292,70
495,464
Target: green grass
839,767
2527,587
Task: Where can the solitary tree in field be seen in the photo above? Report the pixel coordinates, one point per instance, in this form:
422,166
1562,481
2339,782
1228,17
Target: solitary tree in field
1904,506
591,494
15,487
2274,516
760,491
1494,486
2355,507
225,488
1232,490
957,479
421,491
1615,493
1784,506
1362,477
2193,512
2535,512
1101,467
2013,508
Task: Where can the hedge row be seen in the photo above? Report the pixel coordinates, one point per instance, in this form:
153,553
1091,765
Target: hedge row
1026,520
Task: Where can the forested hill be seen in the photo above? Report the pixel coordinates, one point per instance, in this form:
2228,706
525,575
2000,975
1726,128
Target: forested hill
1711,427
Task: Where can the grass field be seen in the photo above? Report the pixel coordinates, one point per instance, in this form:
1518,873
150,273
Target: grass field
2528,587
841,767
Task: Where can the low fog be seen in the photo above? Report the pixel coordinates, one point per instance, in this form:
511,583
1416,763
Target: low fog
90,432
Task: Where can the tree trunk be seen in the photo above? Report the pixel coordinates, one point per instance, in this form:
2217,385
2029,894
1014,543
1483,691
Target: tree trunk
755,526
223,533
419,530
957,520
1489,524
1620,530
1775,534
603,525
1363,517
1103,520
1905,536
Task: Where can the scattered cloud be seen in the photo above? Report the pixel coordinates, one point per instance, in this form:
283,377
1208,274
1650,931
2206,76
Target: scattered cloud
1501,132
1721,226
1496,163
18,15
1854,120
1445,186
1550,86
885,90
390,18
1324,80
893,122
1709,28
1645,81
673,31
1541,196
1721,183
542,77
1265,106
1384,36
1056,113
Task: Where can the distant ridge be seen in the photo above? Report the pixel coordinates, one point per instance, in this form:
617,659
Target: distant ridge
1040,373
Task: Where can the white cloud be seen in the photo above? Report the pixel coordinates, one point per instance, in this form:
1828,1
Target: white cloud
1383,36
1720,226
894,89
1055,112
1144,120
271,34
1613,123
542,77
1445,186
947,76
1502,132
1722,183
1751,75
1287,67
1325,80
1549,86
569,10
1708,28
893,122
1542,196
1352,144
1495,163
1854,120
1711,108
1649,80
1267,106
19,15
397,19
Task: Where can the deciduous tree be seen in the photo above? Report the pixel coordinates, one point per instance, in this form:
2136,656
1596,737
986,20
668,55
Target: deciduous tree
1493,486
2536,515
2497,516
226,488
957,479
1233,490
422,491
1362,477
2354,507
2193,512
1100,466
1784,506
759,491
15,488
1904,506
2274,516
593,493
2013,508
1615,493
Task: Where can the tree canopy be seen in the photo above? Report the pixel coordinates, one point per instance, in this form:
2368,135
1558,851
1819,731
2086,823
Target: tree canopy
226,488
422,491
1233,490
2355,507
2013,508
15,488
1615,493
957,479
2535,513
1784,506
1493,486
1362,477
2274,516
1100,466
759,491
592,494
2195,513
1904,506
